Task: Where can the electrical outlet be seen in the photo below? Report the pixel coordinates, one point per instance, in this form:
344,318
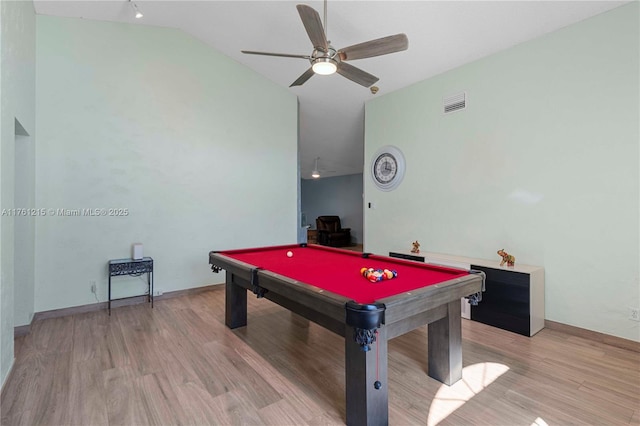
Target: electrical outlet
634,314
157,292
93,286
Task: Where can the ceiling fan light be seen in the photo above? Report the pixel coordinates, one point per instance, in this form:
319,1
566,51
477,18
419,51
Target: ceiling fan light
324,66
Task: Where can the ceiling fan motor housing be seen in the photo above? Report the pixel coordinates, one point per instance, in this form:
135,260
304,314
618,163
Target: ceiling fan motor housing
331,53
324,63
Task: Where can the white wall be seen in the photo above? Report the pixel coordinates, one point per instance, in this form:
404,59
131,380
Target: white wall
543,163
17,70
199,149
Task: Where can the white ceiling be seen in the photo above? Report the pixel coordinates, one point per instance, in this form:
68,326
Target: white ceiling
442,35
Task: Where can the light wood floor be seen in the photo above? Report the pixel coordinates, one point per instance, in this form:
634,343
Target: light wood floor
179,364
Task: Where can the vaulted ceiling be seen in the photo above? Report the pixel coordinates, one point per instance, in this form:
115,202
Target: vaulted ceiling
442,35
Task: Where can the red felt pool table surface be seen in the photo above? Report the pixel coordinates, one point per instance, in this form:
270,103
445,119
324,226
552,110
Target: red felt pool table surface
338,271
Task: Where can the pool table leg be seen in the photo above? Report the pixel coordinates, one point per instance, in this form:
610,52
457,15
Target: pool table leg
445,346
235,312
366,405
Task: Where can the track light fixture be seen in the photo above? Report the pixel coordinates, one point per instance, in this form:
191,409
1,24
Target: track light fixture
137,12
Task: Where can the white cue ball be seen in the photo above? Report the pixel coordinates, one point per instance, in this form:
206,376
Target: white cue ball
289,254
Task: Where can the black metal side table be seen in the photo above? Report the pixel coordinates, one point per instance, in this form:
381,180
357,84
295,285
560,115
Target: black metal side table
132,267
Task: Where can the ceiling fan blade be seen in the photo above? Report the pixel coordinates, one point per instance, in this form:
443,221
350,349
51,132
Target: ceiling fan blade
356,74
284,55
313,25
303,78
377,47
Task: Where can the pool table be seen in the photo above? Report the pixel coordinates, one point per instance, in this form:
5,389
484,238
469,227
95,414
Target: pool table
325,285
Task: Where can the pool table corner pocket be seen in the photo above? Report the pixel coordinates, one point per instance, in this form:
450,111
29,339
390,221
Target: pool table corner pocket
365,321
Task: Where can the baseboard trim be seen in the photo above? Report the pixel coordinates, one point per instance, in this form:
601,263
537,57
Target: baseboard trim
103,306
22,330
618,342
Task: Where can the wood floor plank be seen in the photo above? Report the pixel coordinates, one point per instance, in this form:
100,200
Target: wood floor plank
123,402
87,338
46,335
22,387
234,372
281,412
300,401
592,410
317,379
87,394
160,400
233,408
195,326
179,364
198,404
607,393
326,419
52,399
176,356
115,354
141,338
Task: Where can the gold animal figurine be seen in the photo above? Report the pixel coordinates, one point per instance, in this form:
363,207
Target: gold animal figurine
506,258
416,247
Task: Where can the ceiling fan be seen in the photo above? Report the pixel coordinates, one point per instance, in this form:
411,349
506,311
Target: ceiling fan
325,59
316,170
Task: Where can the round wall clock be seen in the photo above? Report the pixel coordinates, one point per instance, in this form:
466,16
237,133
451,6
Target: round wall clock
387,168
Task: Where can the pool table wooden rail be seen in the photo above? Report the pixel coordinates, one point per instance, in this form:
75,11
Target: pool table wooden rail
315,304
399,307
322,307
402,314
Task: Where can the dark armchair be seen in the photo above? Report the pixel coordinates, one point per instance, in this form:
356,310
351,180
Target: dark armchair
331,233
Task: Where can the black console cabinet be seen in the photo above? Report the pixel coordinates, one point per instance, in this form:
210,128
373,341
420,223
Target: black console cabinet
514,296
506,302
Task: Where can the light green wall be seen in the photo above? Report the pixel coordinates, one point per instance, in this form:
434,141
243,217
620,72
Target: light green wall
543,163
17,87
23,227
199,149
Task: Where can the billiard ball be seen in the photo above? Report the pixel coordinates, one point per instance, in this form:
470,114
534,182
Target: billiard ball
289,254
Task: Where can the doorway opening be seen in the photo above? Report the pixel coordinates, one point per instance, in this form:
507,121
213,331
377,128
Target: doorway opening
23,226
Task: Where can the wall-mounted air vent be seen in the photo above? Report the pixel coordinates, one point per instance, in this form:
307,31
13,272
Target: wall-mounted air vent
454,102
